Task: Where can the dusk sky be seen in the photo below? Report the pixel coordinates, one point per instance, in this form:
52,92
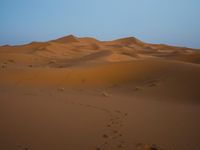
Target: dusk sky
174,22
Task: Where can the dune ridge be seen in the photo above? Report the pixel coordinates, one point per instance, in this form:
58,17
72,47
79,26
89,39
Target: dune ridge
74,47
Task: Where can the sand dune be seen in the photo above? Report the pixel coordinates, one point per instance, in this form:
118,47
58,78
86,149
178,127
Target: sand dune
73,47
82,93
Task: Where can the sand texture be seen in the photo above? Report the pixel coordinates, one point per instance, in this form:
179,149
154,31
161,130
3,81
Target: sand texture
84,94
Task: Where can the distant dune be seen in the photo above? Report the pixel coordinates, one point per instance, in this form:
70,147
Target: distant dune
71,47
82,93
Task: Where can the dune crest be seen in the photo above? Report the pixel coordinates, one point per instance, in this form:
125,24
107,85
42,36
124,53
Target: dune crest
67,39
129,41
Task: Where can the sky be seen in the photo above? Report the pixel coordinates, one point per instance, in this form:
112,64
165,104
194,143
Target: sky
174,22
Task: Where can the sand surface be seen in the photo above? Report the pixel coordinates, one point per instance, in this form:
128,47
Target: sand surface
84,94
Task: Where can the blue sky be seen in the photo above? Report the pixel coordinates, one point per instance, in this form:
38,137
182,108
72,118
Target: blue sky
175,22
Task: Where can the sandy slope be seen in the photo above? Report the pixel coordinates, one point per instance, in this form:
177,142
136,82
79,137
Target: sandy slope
81,93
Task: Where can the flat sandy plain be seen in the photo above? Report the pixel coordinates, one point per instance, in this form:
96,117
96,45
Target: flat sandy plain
84,94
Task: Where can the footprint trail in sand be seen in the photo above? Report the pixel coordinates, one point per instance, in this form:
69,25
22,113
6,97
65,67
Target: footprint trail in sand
113,137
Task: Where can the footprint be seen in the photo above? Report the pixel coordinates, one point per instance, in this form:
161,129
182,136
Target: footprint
52,62
108,125
22,147
119,146
83,80
141,146
136,89
115,131
125,114
3,66
11,61
105,136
